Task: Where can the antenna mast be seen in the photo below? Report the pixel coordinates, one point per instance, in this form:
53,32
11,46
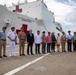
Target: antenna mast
26,1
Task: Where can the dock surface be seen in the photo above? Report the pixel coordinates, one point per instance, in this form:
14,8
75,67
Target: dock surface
58,63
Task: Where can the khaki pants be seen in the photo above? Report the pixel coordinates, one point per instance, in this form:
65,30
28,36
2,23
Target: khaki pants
2,44
43,47
21,48
58,47
63,46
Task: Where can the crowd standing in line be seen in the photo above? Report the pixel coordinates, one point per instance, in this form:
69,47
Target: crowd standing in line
49,42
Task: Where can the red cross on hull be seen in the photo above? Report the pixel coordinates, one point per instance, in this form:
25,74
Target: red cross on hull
25,29
17,9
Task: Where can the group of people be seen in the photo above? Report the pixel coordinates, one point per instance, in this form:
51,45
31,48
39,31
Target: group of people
68,40
50,40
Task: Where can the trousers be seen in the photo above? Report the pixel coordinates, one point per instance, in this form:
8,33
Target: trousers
29,46
48,47
21,48
43,47
2,44
12,48
37,48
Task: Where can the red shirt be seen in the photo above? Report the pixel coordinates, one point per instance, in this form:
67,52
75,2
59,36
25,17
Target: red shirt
49,39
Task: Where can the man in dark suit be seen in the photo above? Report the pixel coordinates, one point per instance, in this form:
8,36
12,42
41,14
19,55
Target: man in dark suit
30,41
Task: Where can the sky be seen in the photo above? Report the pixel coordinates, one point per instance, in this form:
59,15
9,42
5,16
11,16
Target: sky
64,11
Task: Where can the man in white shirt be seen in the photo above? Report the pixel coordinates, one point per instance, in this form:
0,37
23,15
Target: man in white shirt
37,42
12,37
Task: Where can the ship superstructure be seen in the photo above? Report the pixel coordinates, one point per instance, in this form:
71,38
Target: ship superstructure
39,12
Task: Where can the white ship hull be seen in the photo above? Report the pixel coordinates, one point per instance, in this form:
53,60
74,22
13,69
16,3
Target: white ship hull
39,18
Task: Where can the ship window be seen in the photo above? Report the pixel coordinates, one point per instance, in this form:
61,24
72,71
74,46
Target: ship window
27,11
36,5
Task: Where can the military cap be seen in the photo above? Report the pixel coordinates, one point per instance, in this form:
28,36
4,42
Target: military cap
12,27
43,32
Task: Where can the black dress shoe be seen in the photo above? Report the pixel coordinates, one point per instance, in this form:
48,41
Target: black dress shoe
23,54
32,54
27,53
4,56
20,55
39,53
50,52
0,56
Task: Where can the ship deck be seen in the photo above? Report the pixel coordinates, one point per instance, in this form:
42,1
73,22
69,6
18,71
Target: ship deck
58,63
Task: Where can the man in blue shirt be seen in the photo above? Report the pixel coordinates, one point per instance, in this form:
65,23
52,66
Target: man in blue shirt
3,42
69,41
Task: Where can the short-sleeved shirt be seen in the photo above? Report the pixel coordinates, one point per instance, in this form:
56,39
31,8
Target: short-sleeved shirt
12,35
44,38
3,35
22,36
63,38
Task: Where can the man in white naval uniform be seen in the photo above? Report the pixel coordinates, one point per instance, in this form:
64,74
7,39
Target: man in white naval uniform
12,37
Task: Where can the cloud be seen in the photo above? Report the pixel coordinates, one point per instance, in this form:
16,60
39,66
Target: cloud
61,10
72,2
71,17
